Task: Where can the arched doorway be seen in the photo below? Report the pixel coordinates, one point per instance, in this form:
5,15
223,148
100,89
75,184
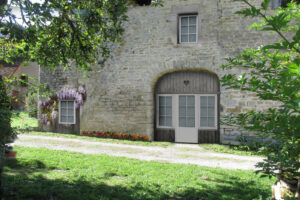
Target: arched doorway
187,107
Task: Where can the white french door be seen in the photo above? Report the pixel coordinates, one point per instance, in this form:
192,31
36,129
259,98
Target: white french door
186,131
187,113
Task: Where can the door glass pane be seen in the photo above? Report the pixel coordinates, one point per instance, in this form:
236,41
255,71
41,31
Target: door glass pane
165,111
162,110
169,111
211,111
203,101
211,122
211,101
161,101
190,100
203,112
182,121
162,120
169,121
182,101
186,111
190,111
169,101
207,111
182,111
203,122
190,122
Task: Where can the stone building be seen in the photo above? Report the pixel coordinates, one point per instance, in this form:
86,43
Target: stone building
25,74
162,81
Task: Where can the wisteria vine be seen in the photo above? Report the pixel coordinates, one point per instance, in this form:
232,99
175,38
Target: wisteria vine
49,107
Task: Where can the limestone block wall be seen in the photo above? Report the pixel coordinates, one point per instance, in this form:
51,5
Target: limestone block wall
121,94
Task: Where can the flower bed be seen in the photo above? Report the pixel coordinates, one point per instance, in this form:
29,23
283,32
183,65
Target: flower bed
120,136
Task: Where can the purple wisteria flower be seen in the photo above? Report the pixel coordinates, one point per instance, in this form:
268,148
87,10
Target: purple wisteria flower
72,94
44,119
53,114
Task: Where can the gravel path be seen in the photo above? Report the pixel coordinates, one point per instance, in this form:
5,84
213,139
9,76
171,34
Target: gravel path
177,153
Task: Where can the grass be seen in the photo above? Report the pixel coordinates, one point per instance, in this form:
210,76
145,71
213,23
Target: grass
21,121
48,174
229,149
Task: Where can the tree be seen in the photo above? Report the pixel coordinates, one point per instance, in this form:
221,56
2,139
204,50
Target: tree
60,32
273,74
6,133
56,33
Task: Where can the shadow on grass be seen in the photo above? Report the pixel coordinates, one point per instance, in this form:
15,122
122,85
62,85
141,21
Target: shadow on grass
23,182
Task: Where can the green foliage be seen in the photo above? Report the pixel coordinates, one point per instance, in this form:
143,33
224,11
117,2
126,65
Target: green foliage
6,133
273,73
59,32
47,174
31,104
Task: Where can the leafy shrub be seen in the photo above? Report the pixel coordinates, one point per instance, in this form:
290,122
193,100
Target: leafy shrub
6,133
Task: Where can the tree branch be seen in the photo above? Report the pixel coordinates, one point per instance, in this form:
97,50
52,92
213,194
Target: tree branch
275,28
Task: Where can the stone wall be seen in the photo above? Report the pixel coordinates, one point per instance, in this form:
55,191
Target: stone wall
121,94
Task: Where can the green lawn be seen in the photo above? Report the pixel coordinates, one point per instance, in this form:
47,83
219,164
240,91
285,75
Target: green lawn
22,122
229,149
47,174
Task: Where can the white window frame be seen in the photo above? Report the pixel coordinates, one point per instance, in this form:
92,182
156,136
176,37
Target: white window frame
59,114
181,16
216,112
157,110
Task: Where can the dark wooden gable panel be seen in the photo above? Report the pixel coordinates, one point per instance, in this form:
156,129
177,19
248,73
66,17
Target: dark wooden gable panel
188,82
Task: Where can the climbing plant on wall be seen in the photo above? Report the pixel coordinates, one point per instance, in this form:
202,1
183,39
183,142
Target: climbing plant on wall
49,107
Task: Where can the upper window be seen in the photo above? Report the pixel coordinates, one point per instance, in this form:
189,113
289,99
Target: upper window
165,111
188,29
67,112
